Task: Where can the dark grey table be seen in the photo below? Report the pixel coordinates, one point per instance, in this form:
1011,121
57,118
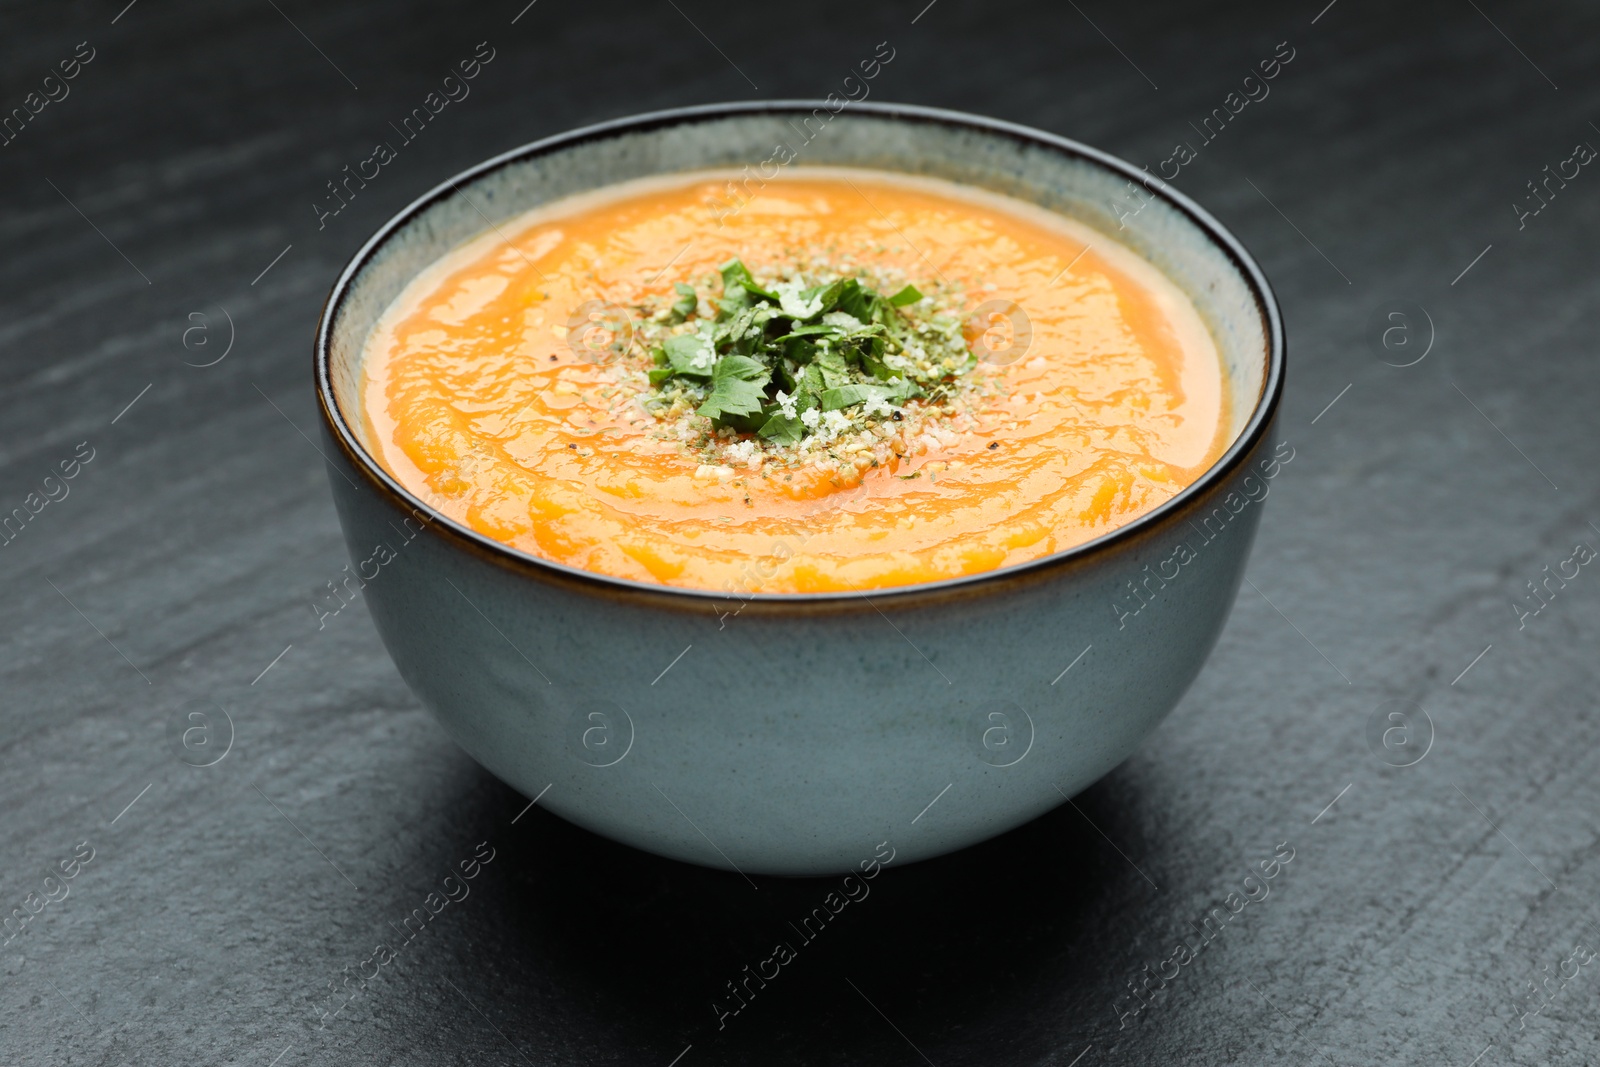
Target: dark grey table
163,269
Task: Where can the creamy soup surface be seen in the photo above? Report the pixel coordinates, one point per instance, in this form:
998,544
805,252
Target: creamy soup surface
508,387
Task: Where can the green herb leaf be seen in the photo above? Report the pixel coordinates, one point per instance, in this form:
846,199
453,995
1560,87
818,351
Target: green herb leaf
833,370
783,429
816,330
684,306
734,272
908,295
691,354
738,388
797,302
858,301
848,395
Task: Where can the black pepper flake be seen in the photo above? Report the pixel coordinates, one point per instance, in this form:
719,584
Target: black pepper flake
552,359
572,446
898,417
994,444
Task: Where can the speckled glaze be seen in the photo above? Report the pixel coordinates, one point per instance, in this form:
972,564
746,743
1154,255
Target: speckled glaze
792,734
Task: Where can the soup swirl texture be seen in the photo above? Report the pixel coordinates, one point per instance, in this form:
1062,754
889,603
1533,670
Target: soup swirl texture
1072,386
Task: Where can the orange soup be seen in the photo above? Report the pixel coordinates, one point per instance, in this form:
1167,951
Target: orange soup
846,380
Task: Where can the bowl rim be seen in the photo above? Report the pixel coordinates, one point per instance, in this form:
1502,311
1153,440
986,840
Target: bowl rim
990,581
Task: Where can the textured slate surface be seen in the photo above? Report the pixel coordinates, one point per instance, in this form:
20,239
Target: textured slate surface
1420,913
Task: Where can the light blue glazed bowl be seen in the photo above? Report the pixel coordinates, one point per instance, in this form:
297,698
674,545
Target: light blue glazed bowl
929,717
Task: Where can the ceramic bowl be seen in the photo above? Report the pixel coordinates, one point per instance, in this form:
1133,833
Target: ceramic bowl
927,717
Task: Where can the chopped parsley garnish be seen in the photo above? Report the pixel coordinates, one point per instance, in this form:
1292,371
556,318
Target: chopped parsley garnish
792,361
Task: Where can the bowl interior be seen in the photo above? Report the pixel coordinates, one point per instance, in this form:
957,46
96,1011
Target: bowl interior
1081,183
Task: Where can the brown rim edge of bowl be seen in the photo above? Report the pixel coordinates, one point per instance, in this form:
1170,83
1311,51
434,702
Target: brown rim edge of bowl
983,583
